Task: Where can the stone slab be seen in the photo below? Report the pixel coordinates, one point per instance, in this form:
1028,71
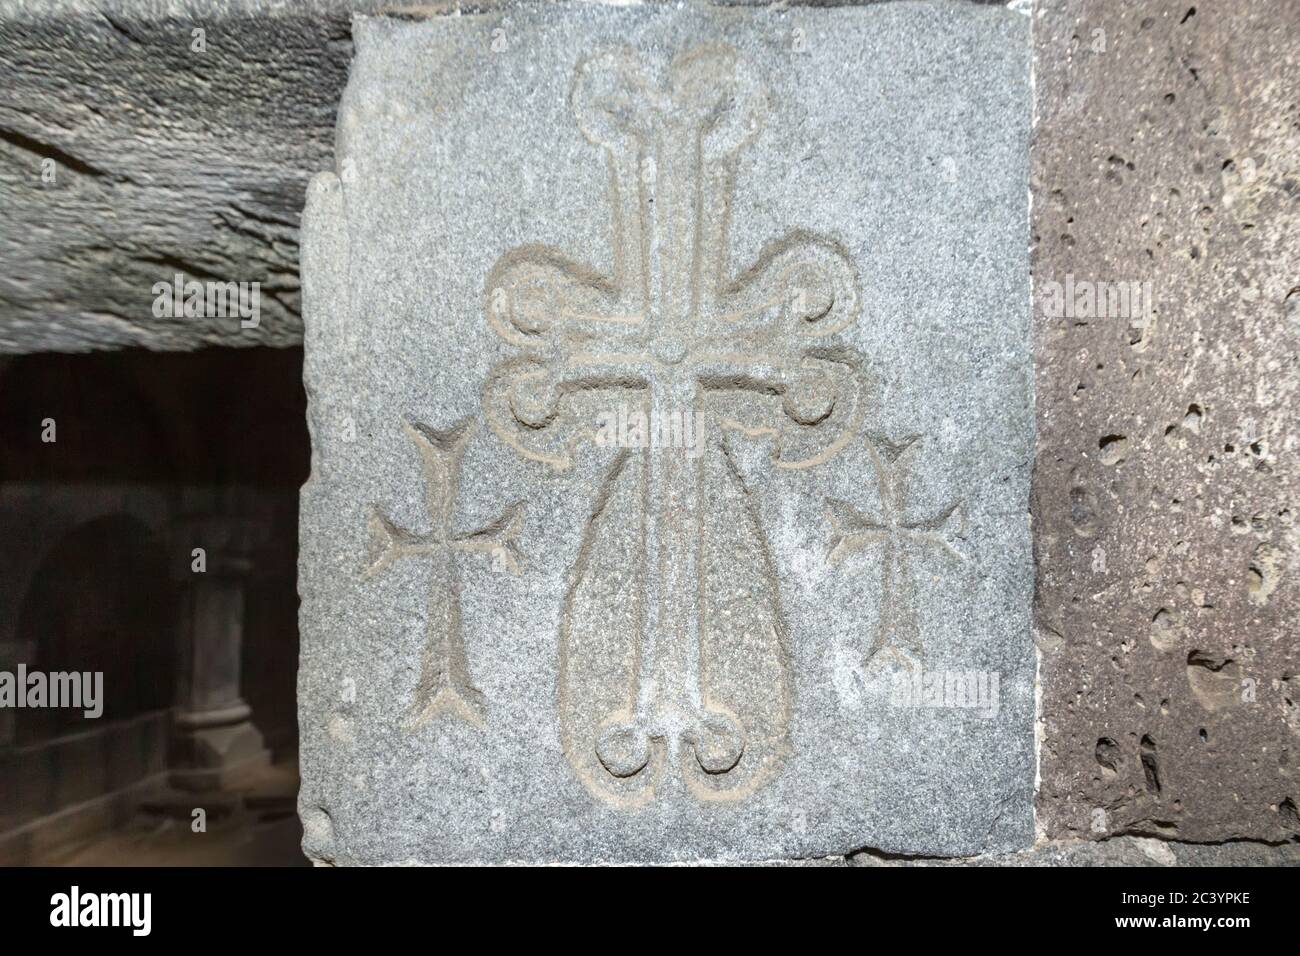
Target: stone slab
1166,153
525,638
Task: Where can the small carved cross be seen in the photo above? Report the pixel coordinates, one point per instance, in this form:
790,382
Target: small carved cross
444,684
902,537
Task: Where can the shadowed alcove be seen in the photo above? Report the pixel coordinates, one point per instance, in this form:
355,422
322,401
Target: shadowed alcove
148,534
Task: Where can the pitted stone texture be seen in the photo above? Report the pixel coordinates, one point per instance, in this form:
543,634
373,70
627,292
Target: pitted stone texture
799,235
1117,851
1167,150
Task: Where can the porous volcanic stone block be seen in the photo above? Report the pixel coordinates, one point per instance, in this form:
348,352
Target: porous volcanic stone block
1167,155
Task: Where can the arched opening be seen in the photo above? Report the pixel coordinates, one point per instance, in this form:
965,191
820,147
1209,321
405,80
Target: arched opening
146,456
101,602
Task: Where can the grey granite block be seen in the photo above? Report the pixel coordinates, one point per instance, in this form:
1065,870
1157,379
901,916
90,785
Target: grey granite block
671,401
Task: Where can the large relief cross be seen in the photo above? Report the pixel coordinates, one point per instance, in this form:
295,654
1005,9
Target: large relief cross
672,330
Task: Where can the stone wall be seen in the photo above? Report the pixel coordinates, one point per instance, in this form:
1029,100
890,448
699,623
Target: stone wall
1165,158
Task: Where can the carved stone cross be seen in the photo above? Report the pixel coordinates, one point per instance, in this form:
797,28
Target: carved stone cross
703,233
444,684
901,535
671,329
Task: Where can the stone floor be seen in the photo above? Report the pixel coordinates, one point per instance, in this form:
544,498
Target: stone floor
255,824
170,843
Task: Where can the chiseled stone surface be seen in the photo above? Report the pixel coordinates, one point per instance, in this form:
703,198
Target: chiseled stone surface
801,233
144,138
1167,151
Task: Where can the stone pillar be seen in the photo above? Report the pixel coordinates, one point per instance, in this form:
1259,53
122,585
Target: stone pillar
214,735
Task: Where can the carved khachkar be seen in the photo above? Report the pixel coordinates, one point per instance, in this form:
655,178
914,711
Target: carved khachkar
558,235
691,675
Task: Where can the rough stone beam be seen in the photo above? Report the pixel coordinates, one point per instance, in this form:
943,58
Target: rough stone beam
165,159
